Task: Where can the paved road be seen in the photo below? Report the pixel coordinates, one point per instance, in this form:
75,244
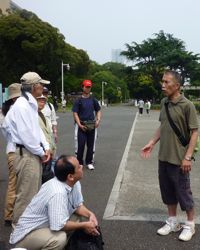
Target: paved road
97,185
137,179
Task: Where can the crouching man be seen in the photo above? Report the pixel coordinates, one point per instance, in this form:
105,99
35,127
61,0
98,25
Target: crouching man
48,218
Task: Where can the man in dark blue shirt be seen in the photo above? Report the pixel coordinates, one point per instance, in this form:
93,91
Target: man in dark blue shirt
87,116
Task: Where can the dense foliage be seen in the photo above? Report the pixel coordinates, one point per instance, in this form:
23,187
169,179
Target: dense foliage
151,57
29,44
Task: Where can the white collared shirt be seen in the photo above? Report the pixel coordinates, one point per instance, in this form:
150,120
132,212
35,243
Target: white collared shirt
50,114
51,207
10,147
21,125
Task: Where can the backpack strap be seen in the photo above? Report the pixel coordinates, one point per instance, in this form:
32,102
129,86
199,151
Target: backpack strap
181,138
49,104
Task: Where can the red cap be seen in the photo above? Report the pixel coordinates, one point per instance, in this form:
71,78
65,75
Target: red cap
87,83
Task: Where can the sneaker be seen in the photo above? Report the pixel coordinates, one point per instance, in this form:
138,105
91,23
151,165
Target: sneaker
90,167
187,233
169,227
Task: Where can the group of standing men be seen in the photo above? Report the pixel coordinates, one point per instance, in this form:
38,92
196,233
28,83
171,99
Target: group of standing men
29,127
22,131
26,140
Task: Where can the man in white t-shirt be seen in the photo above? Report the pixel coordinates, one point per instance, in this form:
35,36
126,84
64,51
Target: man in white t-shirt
141,106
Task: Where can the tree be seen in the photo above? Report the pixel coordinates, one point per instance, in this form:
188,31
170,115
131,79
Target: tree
29,44
116,69
111,90
153,55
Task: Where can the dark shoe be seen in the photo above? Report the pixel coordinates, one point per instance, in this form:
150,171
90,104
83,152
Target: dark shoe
8,223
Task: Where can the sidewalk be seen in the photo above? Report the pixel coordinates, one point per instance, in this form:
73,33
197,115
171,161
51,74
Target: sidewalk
135,194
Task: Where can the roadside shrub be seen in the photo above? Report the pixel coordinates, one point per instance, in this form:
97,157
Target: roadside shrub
197,106
155,106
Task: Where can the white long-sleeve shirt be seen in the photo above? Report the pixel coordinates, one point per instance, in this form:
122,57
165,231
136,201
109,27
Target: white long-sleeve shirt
21,126
10,147
50,115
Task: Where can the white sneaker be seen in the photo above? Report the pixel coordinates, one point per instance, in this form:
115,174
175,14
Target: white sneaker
90,167
187,233
169,227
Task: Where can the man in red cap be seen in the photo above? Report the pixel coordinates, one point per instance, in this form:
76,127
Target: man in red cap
87,116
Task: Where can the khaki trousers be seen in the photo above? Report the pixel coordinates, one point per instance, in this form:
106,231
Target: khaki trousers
28,170
11,190
44,238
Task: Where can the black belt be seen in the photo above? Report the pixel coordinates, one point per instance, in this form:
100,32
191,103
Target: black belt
20,146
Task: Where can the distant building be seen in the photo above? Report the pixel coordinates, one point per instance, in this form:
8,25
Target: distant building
117,57
8,5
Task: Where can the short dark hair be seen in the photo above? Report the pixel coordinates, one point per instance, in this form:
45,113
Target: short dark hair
63,167
177,77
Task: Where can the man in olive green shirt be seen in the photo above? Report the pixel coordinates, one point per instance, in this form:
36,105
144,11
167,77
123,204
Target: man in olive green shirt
175,159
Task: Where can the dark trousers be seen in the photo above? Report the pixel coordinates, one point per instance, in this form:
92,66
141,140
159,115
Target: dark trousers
140,111
85,138
175,186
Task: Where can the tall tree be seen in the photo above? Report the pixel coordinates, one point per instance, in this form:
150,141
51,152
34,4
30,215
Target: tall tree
153,55
114,90
29,44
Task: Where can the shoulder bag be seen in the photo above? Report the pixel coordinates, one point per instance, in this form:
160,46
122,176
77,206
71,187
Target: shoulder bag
181,138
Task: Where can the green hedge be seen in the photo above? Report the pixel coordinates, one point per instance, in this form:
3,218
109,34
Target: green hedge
155,106
197,106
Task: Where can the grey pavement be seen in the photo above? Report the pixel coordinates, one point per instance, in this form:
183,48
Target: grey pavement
135,194
123,189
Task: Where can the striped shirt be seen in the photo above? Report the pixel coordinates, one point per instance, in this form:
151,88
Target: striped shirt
51,207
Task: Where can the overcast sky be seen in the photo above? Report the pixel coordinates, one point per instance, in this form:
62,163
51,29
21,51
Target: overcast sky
100,26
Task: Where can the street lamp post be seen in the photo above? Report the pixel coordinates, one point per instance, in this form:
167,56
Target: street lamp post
102,95
68,68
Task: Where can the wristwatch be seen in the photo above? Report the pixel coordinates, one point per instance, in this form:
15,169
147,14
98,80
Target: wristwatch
188,158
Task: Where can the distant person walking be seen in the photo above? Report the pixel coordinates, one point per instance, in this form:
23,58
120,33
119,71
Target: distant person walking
147,106
22,126
55,102
64,102
87,116
14,92
140,106
175,156
135,103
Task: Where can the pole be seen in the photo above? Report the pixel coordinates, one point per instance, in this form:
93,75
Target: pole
62,94
102,101
1,95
